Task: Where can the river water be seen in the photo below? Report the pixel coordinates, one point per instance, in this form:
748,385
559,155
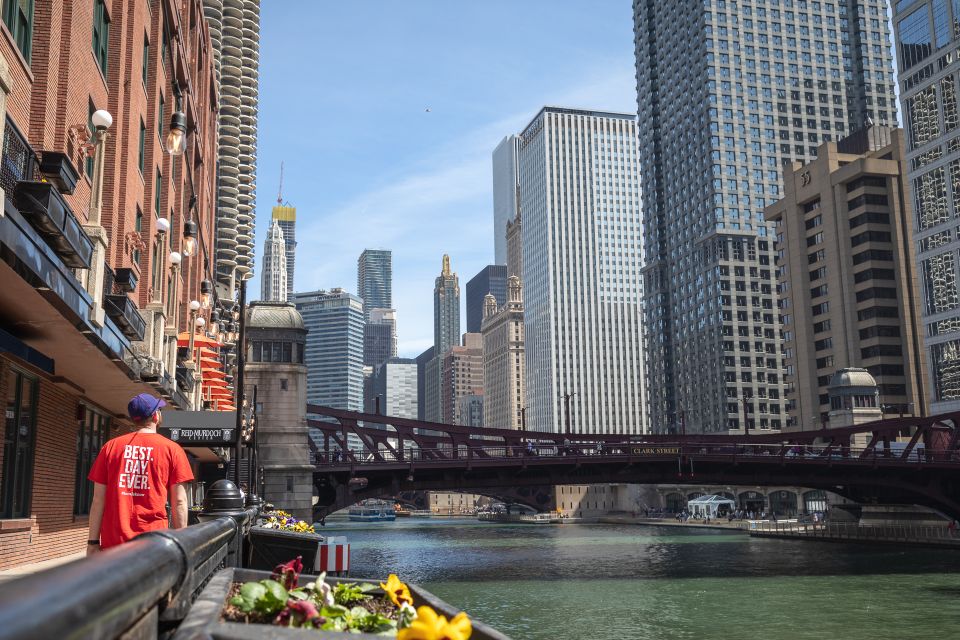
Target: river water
627,582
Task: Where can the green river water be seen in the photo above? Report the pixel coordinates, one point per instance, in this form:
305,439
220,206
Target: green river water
639,582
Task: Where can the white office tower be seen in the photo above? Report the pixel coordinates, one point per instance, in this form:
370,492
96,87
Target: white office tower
726,92
580,197
235,34
273,280
506,184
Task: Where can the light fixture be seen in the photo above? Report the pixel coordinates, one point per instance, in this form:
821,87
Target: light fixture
206,293
189,238
200,321
236,312
194,305
175,258
101,120
176,140
215,324
163,225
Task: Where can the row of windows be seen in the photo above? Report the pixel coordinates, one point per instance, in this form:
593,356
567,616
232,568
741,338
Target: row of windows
276,351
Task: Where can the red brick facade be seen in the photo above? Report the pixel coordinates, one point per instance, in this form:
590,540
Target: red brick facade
49,101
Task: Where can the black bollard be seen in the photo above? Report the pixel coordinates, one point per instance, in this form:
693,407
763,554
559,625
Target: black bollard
224,499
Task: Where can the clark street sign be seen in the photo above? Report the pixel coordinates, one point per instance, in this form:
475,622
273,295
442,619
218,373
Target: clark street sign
200,428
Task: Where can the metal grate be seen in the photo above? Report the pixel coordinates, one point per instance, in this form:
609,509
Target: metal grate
19,160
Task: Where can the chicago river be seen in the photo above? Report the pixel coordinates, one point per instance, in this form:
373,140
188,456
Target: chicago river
630,582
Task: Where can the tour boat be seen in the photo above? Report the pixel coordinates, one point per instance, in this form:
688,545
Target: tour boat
373,511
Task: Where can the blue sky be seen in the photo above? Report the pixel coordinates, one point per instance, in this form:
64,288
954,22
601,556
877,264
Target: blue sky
344,88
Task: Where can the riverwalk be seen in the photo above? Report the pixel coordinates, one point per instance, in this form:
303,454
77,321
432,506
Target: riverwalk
922,535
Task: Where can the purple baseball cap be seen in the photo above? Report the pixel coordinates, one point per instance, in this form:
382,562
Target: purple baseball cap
144,405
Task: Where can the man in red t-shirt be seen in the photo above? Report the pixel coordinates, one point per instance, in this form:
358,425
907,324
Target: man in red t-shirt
133,475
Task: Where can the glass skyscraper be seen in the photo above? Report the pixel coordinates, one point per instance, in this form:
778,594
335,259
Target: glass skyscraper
580,197
726,92
491,279
285,216
928,48
334,351
375,280
506,184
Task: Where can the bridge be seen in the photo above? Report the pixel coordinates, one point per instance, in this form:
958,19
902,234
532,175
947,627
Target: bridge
901,460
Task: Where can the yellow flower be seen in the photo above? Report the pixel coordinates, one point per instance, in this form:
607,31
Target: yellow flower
430,626
396,590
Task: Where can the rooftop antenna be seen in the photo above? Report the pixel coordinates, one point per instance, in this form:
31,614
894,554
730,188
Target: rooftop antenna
280,191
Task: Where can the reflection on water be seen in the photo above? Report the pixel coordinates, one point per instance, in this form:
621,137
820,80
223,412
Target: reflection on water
621,581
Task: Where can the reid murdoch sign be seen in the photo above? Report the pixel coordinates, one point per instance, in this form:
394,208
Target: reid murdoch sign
200,428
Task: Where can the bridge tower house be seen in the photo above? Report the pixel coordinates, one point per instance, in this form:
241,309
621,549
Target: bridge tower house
854,399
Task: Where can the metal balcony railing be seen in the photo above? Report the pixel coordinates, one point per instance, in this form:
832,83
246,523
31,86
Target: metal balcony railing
19,161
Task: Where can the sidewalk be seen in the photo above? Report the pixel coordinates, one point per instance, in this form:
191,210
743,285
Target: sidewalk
670,522
27,569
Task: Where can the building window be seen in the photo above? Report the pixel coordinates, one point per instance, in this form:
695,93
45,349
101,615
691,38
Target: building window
142,146
90,110
160,108
90,438
146,59
138,227
156,202
101,34
18,16
18,442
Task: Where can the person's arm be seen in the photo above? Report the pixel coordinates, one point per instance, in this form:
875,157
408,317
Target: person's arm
96,516
178,505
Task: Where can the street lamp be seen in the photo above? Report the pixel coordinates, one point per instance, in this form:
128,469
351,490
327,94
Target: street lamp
189,238
175,142
163,225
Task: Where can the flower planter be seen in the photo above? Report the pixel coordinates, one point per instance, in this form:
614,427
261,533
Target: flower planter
270,547
204,618
57,168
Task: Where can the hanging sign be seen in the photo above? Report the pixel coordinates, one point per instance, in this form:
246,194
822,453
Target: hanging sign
200,428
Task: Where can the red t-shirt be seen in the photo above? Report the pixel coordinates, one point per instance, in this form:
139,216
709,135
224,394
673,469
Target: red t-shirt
137,470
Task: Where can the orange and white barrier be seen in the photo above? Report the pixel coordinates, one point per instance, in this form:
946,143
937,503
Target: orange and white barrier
333,556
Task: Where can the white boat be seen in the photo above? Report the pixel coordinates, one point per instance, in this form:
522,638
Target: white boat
373,511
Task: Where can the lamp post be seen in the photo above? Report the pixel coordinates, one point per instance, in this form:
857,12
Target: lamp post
101,121
241,358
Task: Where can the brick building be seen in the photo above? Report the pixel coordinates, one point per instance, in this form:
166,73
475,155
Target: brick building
91,303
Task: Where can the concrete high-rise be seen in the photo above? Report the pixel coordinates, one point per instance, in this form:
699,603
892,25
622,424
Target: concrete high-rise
285,216
461,374
235,34
504,360
726,92
273,280
380,337
580,197
375,280
492,279
506,191
334,351
927,40
395,384
847,279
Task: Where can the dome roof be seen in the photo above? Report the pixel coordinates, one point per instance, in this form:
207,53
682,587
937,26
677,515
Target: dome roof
852,377
274,315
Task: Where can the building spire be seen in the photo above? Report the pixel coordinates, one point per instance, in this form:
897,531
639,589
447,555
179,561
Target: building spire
446,265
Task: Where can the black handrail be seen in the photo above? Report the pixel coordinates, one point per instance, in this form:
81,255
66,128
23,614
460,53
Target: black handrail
131,587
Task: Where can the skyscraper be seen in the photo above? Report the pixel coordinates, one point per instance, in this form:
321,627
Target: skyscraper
504,360
285,216
847,276
579,192
506,184
491,279
395,383
334,351
726,92
461,374
380,337
235,33
273,280
446,309
375,280
446,334
927,40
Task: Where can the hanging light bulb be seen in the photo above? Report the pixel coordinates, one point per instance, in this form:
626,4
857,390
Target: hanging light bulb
189,238
206,293
236,312
176,139
215,324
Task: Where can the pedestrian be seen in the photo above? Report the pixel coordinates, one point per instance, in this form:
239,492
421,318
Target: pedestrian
952,527
133,476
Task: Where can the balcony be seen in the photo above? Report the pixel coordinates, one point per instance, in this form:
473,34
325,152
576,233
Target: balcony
185,379
122,310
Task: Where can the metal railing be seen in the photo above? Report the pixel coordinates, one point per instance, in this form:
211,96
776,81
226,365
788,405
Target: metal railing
445,453
856,531
19,161
137,589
